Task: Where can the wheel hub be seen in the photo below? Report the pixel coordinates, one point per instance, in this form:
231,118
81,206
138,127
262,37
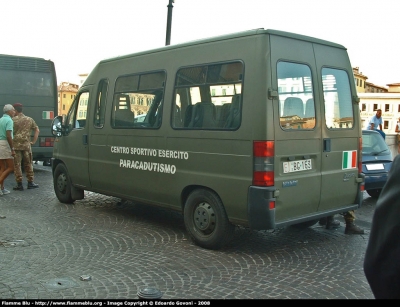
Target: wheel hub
62,182
204,217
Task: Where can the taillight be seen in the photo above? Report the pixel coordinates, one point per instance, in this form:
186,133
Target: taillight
263,155
46,141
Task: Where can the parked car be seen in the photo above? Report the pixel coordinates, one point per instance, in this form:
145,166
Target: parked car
376,161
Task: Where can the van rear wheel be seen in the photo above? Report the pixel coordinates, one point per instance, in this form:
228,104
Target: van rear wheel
62,184
206,220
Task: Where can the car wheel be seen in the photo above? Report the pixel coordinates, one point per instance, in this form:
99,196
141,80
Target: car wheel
206,220
62,184
374,192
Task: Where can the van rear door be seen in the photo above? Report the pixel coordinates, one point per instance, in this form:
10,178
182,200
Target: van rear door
316,128
341,132
297,126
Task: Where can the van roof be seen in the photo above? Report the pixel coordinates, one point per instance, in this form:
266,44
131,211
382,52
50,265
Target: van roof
259,31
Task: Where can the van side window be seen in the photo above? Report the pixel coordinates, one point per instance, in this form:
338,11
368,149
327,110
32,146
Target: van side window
100,107
296,99
138,101
338,100
208,97
76,117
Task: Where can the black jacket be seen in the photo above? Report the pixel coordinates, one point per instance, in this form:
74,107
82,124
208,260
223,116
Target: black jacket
382,258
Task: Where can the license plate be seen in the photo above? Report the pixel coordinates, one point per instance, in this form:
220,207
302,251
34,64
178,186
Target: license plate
375,166
297,166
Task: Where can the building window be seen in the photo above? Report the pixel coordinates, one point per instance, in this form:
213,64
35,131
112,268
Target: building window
375,106
361,85
64,96
398,108
387,107
385,124
363,107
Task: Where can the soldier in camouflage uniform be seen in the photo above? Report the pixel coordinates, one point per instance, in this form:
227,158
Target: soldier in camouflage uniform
23,127
349,218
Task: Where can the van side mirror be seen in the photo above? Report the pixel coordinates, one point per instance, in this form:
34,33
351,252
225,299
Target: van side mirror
56,126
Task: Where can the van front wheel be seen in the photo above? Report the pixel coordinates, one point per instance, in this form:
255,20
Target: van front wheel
62,184
206,220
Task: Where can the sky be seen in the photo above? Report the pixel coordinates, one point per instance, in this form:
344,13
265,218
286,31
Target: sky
77,34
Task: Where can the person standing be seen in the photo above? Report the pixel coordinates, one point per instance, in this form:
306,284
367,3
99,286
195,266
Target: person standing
23,127
381,263
375,122
398,135
6,146
349,218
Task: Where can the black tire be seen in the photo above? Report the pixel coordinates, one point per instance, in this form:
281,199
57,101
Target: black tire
62,184
47,162
374,192
304,225
206,220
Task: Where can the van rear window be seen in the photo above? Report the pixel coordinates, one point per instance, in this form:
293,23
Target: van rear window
296,99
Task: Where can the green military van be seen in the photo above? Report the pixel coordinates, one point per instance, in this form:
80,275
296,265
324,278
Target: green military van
259,128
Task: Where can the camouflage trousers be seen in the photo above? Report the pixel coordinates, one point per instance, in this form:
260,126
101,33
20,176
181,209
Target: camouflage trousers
25,157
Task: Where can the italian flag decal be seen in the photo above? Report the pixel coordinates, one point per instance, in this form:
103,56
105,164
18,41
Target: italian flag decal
47,114
349,159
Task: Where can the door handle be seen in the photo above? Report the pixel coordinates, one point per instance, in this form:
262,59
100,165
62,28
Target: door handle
327,145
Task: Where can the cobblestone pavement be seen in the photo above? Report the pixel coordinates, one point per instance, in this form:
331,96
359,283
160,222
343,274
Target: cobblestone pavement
47,248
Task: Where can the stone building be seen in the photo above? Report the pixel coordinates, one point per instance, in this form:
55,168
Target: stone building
66,94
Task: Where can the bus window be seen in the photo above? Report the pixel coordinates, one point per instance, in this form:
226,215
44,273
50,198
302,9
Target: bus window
337,96
296,101
138,95
208,97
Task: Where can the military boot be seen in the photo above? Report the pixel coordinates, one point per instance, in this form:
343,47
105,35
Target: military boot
353,229
32,185
331,222
18,187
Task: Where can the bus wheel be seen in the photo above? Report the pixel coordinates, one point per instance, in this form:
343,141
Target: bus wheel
206,220
62,184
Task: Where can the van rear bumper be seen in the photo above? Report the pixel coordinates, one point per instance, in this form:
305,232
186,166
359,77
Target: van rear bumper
261,217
